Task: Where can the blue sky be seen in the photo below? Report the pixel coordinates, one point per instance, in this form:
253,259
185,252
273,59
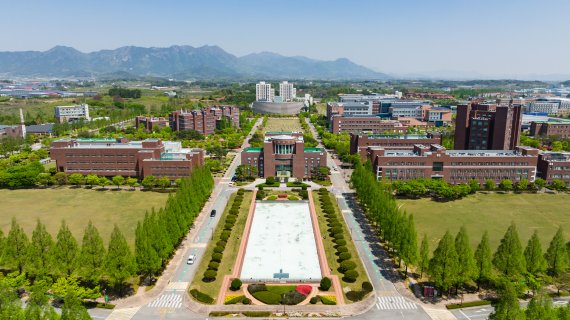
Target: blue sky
496,38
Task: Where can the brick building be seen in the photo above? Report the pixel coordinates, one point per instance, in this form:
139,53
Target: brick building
554,166
487,127
284,155
360,142
551,127
373,124
151,123
112,157
454,166
205,120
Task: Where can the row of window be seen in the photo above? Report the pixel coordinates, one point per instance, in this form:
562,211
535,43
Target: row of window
113,155
101,162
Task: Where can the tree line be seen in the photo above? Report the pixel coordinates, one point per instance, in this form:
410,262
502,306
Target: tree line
125,93
65,268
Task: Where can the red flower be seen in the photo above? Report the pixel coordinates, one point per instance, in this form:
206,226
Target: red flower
304,289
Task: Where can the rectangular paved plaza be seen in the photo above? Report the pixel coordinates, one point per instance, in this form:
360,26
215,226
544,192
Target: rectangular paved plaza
281,243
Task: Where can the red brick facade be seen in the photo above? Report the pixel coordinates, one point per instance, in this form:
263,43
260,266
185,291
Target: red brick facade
547,129
554,166
205,120
373,124
151,123
360,142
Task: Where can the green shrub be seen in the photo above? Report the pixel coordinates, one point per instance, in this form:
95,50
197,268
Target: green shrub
231,219
253,288
272,198
347,265
235,285
213,265
341,249
338,236
323,190
246,301
292,297
259,195
304,194
468,304
326,300
241,191
367,286
218,249
217,257
326,284
234,211
293,198
355,295
314,299
219,313
340,242
336,230
335,224
344,256
267,297
234,300
221,243
350,276
202,297
256,314
225,236
210,275
228,226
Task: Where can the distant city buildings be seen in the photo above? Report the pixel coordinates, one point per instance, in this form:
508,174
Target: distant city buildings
484,126
266,102
72,113
120,157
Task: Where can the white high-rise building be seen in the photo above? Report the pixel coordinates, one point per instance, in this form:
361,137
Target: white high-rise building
72,113
263,92
287,91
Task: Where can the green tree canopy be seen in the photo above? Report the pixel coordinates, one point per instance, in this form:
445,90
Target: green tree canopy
466,262
443,267
557,254
40,255
92,254
119,262
16,247
535,262
65,251
509,258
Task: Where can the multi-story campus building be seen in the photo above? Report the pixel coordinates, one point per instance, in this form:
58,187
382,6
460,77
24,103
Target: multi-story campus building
359,143
284,155
119,157
151,123
264,92
454,166
372,124
72,113
205,120
554,166
287,91
14,131
551,127
487,127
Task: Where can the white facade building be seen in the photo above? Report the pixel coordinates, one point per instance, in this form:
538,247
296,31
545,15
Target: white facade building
264,92
287,91
71,113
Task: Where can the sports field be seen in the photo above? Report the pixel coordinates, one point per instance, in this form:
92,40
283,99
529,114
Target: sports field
283,124
77,207
494,213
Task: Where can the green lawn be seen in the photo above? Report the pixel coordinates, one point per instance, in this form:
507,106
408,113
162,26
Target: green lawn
283,124
494,213
331,251
230,253
77,207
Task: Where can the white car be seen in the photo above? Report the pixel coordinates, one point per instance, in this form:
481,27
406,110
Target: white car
191,259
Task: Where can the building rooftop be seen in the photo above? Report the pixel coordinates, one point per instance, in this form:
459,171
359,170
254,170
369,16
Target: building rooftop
253,149
313,150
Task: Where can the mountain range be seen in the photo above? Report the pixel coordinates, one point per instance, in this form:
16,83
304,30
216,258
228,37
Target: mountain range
180,62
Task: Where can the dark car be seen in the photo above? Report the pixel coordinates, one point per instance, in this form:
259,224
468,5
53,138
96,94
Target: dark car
213,213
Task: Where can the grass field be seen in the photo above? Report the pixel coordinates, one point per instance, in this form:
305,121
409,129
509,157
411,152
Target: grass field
230,253
494,213
283,124
77,207
330,250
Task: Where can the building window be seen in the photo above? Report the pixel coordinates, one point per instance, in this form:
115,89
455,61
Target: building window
437,166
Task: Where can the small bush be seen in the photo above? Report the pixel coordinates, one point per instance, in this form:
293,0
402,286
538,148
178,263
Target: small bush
336,230
468,304
323,190
213,265
293,198
350,276
341,249
344,256
233,299
210,275
241,191
292,298
347,265
328,300
259,195
218,249
314,300
355,295
228,226
267,297
340,242
234,211
217,257
225,236
231,219
235,285
246,301
272,198
256,314
202,297
253,288
326,284
335,224
367,286
339,236
221,243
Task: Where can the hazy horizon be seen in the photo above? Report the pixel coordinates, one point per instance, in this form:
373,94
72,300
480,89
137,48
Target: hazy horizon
493,39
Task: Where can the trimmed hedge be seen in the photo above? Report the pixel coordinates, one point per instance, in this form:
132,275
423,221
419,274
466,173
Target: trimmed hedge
234,300
217,257
246,300
210,275
234,211
213,265
218,249
267,297
326,284
292,298
202,297
339,236
340,242
256,314
355,295
315,299
347,265
350,276
468,304
344,256
341,249
235,285
328,300
253,288
367,286
221,243
336,230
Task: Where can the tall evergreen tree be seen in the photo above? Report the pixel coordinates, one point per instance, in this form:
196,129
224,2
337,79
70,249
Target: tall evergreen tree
424,256
65,251
146,257
40,251
443,265
508,307
92,254
16,250
535,262
557,255
119,262
541,308
73,309
38,306
466,262
509,258
410,248
2,245
483,260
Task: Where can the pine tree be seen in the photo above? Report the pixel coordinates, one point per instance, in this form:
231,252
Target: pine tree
509,258
557,255
443,265
2,245
410,248
40,251
424,256
483,260
119,262
535,262
466,261
92,254
541,307
65,252
508,307
16,247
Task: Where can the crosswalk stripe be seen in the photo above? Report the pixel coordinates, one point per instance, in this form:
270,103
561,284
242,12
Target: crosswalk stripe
167,300
123,314
394,303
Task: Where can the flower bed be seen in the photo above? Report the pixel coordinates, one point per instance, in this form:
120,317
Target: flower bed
282,196
304,289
